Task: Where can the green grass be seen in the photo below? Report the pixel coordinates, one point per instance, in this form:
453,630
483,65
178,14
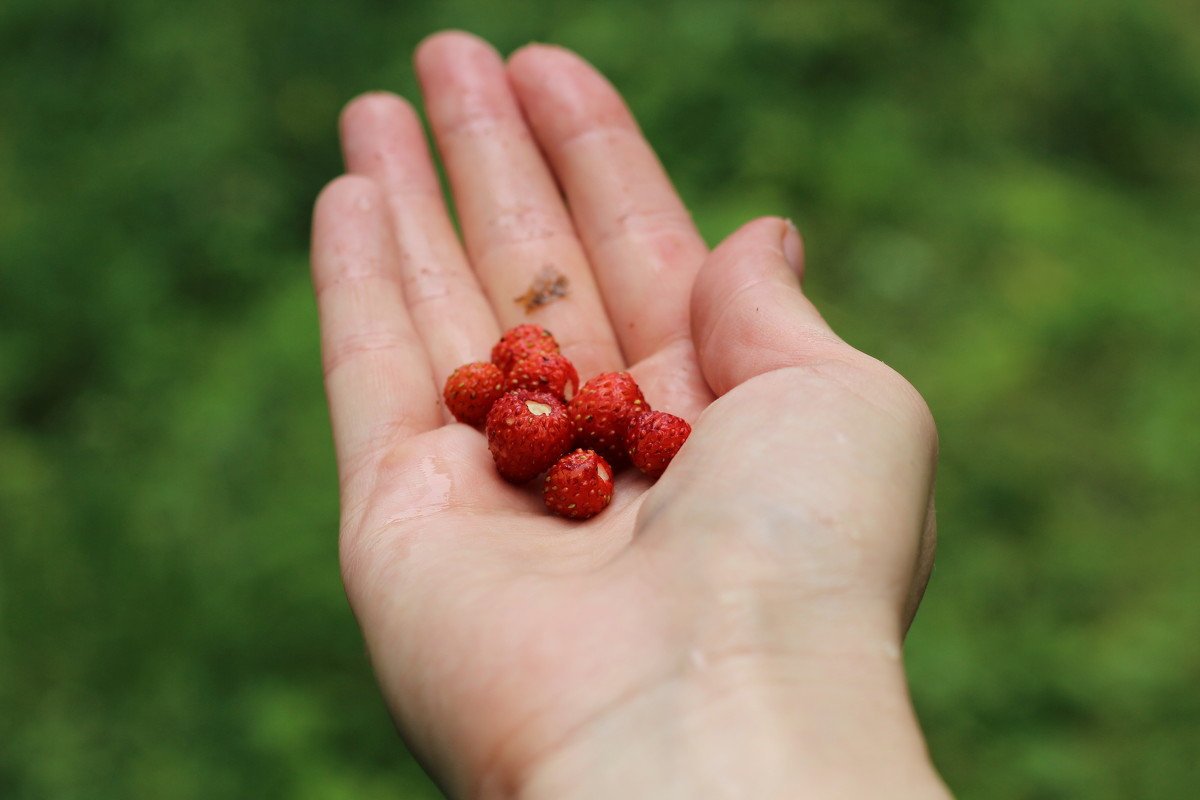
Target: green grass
999,198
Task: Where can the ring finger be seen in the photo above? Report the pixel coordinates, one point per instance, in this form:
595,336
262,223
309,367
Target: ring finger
382,139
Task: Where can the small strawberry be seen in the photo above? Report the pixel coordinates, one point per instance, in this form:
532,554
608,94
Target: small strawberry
601,411
653,439
579,485
544,372
470,391
521,342
526,433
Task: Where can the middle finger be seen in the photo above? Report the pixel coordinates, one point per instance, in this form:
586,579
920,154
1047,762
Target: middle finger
518,234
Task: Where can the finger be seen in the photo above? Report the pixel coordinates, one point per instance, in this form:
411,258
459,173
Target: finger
382,138
749,315
644,249
518,234
376,374
850,496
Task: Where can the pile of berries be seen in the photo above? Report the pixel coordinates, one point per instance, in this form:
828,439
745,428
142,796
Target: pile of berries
538,418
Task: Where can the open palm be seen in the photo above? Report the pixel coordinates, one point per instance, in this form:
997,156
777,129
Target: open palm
795,521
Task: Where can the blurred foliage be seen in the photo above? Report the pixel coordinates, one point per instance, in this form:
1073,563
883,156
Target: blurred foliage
999,199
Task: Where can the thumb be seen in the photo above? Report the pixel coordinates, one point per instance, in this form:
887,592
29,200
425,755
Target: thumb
749,315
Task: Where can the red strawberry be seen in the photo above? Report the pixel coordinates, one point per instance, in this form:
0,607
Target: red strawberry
470,391
653,440
545,372
527,432
601,411
521,342
579,485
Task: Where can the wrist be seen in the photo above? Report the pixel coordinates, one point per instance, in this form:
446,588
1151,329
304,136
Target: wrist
748,725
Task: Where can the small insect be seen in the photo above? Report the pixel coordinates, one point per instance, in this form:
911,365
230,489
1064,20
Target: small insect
547,286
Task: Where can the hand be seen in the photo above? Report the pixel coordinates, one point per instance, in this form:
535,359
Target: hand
731,631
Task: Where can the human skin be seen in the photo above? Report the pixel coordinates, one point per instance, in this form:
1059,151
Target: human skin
732,630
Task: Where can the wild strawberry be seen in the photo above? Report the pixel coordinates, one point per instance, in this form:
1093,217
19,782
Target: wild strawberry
521,342
579,485
544,372
653,439
601,412
526,433
470,391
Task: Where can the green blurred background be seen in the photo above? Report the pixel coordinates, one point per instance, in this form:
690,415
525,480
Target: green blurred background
1000,198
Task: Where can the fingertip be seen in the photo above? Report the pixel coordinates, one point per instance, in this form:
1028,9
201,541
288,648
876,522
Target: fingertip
348,217
793,248
451,44
346,195
764,230
536,54
369,123
373,105
551,65
444,38
464,85
563,95
749,315
755,250
527,51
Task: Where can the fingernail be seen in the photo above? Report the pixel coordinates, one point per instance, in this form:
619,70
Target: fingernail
793,246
